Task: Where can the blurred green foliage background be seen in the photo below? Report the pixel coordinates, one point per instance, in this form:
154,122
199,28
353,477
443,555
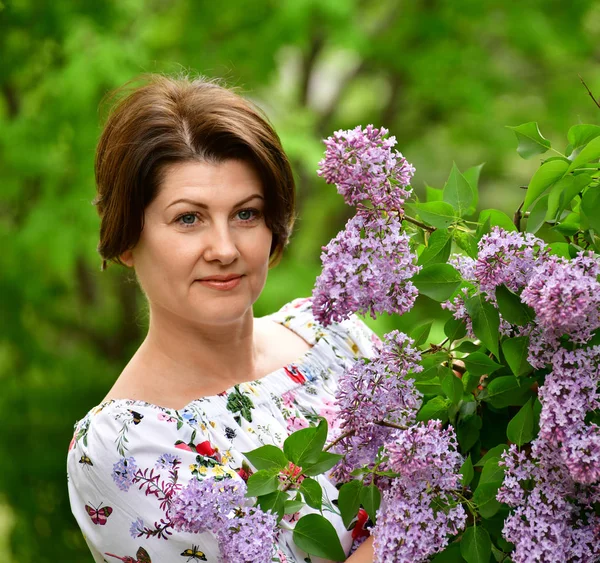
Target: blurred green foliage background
445,76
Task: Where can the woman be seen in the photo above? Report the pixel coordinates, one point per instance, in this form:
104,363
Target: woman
196,195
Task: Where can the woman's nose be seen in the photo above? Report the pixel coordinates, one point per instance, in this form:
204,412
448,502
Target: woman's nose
220,245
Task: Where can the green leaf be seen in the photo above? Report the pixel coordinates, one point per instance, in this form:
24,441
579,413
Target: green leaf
458,192
263,482
325,462
470,381
316,535
305,446
590,205
467,472
436,213
468,431
537,216
507,391
452,386
472,176
292,506
496,451
349,501
497,219
430,386
267,457
590,152
546,175
570,224
434,409
563,192
455,329
478,364
370,498
512,308
467,347
437,249
486,322
516,351
580,135
531,142
275,502
313,493
520,428
485,499
466,241
437,281
420,333
450,555
433,194
560,249
475,545
492,472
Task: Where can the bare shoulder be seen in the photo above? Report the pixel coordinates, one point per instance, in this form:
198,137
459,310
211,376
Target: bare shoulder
280,346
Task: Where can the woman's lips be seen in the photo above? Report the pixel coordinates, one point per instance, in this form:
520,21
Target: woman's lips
221,285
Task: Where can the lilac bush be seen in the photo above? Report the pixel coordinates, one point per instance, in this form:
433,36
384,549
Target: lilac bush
530,312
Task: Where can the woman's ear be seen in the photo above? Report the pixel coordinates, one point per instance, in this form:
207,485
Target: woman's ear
127,258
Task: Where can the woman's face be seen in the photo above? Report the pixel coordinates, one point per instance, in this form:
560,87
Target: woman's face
203,253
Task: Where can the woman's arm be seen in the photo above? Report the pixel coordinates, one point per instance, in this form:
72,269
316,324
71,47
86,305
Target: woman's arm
364,554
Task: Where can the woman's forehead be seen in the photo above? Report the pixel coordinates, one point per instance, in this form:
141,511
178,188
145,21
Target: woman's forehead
225,182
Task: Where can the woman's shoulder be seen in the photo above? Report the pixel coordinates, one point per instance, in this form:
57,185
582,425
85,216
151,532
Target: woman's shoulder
352,334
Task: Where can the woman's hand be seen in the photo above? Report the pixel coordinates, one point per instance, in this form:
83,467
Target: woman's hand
364,554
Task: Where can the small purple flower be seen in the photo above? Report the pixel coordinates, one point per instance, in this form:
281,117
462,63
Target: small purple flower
245,535
565,296
249,538
124,472
366,269
137,528
372,391
426,452
507,257
202,505
167,460
362,165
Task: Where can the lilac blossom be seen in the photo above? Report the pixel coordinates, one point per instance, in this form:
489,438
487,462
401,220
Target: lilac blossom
507,257
422,497
367,269
123,473
244,534
552,519
249,538
204,505
374,391
565,296
569,392
362,165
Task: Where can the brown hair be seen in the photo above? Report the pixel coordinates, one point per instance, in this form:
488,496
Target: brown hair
168,120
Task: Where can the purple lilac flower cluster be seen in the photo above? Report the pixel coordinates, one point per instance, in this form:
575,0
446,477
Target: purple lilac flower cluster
552,518
552,488
373,393
368,265
245,534
361,163
366,269
423,497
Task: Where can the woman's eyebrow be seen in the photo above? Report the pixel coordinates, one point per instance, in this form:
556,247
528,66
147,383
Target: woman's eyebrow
203,205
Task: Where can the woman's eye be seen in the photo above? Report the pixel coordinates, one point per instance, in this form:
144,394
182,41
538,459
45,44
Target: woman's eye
247,214
187,219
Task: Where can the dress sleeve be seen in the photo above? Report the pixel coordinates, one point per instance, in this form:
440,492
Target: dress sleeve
126,464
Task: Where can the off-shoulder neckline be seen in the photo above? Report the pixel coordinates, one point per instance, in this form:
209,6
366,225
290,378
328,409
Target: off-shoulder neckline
301,362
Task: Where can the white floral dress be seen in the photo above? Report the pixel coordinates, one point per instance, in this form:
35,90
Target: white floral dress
128,459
